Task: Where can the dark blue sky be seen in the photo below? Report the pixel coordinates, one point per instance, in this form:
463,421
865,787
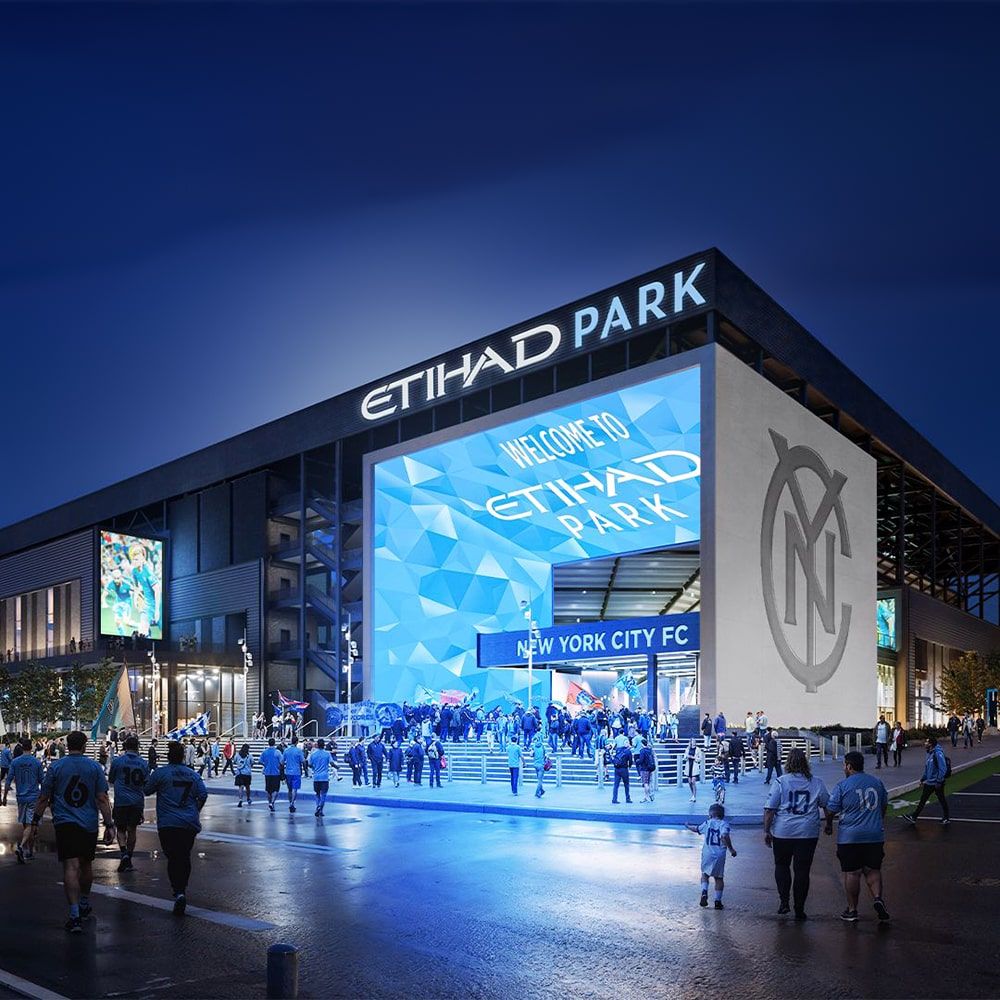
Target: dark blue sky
216,214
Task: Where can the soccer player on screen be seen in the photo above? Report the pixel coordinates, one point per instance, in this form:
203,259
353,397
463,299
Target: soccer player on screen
145,579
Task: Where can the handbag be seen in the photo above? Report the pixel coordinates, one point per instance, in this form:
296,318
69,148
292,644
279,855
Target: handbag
547,766
444,762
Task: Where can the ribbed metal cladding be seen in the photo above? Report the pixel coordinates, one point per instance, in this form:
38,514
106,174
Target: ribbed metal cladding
934,621
70,558
233,590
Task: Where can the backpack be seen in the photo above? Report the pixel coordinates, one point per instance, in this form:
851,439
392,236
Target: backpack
623,757
947,767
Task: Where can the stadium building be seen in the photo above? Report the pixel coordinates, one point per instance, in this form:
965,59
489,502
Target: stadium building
693,503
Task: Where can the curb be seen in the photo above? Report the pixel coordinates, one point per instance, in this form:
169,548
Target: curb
586,815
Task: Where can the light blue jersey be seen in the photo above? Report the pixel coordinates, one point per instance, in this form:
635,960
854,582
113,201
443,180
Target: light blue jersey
27,773
72,785
243,765
293,761
713,849
180,794
129,774
270,761
797,801
860,800
319,761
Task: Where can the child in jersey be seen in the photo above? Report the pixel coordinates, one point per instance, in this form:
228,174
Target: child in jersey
719,783
717,841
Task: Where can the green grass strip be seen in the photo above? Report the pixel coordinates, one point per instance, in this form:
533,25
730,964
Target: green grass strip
959,779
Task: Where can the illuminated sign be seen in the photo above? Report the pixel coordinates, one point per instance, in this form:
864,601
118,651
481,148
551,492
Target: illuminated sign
885,623
463,531
632,308
131,585
593,641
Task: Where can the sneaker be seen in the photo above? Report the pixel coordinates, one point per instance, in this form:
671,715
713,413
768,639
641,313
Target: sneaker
180,904
291,809
123,864
86,910
910,818
129,867
800,915
718,905
704,899
74,925
19,854
883,913
849,916
945,821
270,806
316,813
239,805
784,908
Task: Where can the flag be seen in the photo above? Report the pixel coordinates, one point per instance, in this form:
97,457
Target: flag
197,728
627,683
578,695
117,709
295,706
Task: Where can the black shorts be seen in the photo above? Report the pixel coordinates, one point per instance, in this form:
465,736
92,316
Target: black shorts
73,841
243,780
321,787
272,783
127,816
854,857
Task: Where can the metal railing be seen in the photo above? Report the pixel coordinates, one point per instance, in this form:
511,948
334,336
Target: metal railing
302,729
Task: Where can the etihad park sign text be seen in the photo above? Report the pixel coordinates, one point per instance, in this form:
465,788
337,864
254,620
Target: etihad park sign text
624,310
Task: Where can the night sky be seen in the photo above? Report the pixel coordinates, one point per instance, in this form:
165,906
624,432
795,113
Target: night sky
216,215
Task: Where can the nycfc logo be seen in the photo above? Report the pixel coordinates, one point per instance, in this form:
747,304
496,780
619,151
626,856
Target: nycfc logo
802,538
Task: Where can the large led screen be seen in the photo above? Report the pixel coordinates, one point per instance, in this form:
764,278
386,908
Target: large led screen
131,585
464,531
885,623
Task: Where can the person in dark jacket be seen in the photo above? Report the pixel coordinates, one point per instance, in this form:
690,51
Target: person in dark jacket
736,751
152,757
354,757
434,751
706,730
395,763
529,726
415,756
772,755
623,761
377,754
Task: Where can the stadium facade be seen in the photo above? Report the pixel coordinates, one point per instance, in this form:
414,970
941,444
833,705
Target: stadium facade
694,503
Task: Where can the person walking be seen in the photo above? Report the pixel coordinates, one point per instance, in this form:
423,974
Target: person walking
377,755
434,753
881,734
898,741
792,822
152,755
271,761
395,763
936,771
26,772
294,764
514,763
772,756
706,730
980,727
691,766
76,788
180,797
416,755
953,726
243,770
735,759
646,765
228,752
540,757
968,732
128,776
860,801
319,763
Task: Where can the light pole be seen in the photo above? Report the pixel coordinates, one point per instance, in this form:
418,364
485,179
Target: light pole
156,690
247,664
532,633
346,629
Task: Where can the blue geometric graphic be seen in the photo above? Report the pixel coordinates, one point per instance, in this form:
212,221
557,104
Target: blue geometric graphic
465,531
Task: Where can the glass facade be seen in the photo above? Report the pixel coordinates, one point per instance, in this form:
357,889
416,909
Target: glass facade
185,692
40,623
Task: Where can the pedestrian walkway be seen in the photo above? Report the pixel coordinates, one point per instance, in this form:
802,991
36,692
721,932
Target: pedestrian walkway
672,805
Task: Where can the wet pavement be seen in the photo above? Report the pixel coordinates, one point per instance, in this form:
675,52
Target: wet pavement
417,903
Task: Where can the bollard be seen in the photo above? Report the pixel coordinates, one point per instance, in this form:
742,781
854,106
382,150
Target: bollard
482,769
760,757
600,773
283,971
451,770
833,753
822,749
680,770
701,767
559,772
857,743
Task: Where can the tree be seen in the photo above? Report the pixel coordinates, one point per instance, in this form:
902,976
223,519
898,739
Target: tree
83,691
965,680
32,695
